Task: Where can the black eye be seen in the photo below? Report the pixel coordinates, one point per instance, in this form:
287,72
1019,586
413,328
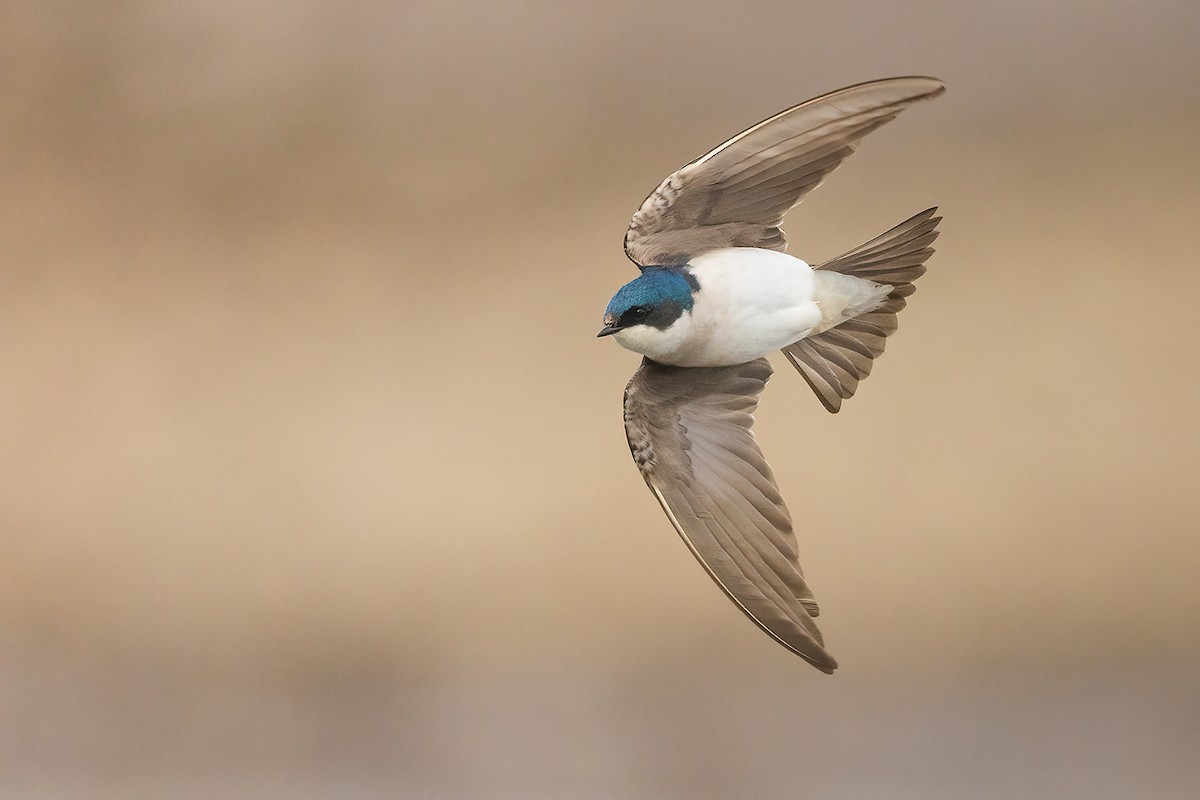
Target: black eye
634,315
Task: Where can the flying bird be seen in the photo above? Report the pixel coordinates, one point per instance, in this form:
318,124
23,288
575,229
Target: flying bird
716,294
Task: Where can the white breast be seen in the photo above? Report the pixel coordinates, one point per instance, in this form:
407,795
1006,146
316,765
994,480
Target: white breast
750,303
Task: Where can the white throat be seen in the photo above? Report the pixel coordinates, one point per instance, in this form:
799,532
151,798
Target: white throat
661,345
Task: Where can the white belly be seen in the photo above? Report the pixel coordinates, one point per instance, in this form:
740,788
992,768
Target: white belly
750,303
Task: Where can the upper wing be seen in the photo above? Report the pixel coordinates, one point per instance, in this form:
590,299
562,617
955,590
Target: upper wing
736,195
689,432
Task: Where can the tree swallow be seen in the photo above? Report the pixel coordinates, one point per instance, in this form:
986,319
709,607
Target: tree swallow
716,294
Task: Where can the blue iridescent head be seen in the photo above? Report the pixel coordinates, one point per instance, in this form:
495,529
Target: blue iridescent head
657,298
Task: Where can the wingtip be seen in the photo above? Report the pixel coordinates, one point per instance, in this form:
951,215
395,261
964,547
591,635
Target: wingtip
827,666
929,86
924,87
936,86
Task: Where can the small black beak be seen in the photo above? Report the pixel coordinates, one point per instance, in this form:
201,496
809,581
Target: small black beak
611,326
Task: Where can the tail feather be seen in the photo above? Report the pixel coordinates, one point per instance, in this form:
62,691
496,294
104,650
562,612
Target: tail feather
834,361
896,257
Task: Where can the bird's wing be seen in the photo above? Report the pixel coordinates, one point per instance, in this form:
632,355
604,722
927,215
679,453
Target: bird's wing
737,194
689,433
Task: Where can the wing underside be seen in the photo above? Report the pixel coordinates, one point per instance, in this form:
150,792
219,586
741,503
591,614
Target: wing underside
689,431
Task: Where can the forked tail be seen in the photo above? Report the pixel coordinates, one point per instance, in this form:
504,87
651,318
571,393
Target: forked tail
836,360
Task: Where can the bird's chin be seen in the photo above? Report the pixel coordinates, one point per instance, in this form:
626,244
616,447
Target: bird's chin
623,338
658,344
646,341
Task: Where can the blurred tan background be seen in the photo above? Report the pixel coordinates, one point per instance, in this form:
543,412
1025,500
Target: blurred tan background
312,475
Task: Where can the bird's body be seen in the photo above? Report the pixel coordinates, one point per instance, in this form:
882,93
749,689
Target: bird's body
716,294
750,302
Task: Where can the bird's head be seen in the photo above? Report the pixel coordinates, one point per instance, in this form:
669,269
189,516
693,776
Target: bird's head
655,299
